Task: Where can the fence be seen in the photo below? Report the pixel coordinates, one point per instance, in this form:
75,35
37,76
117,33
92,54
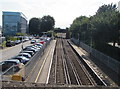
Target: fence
109,65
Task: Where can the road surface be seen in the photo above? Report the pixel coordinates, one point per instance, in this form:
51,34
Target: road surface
12,51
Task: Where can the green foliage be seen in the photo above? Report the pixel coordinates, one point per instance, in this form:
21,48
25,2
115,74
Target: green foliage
39,25
47,23
79,27
106,24
3,44
20,34
8,38
102,28
34,26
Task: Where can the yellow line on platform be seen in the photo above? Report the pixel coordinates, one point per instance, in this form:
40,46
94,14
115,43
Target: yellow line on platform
42,66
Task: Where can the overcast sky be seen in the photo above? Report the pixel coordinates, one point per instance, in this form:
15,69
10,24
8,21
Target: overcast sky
63,11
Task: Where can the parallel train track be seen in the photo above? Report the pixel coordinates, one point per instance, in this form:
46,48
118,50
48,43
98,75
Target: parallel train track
67,67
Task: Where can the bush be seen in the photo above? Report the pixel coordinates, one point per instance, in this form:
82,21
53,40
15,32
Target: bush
11,38
3,44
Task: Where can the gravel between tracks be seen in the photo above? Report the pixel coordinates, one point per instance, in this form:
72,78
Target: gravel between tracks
65,59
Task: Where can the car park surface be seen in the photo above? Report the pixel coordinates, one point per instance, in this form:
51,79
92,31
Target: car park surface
9,52
26,53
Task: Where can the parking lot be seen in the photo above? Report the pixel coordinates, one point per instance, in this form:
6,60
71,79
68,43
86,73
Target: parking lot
16,56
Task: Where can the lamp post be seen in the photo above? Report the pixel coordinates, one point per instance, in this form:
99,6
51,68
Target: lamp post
22,43
78,39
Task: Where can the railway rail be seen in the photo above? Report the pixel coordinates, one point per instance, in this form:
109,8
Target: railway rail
67,68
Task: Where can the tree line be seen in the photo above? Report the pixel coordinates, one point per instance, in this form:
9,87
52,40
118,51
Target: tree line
39,25
101,28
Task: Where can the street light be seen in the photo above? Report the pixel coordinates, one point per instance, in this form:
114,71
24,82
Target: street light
22,43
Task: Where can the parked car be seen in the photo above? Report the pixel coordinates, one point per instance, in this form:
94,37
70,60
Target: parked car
22,59
10,43
30,38
42,42
33,46
30,52
27,55
33,41
17,42
9,63
40,45
29,48
27,39
48,39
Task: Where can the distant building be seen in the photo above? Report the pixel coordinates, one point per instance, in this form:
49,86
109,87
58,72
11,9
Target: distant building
14,22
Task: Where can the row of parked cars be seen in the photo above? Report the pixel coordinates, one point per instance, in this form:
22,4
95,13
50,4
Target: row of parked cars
13,43
23,57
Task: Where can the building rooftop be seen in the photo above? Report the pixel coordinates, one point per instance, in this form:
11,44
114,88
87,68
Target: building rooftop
14,13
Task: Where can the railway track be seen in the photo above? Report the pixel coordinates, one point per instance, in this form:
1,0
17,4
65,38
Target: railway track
80,72
57,75
67,67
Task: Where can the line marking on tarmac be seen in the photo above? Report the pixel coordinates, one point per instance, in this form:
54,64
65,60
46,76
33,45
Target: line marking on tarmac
50,67
42,65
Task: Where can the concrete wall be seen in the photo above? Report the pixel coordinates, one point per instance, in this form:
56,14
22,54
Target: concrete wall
26,85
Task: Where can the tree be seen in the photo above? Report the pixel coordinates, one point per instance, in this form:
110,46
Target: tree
39,25
106,8
34,26
105,24
103,27
80,27
47,23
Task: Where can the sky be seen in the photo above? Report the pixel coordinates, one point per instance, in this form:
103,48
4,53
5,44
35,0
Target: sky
63,11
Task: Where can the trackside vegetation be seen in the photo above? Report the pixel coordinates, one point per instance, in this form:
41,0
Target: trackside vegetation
99,30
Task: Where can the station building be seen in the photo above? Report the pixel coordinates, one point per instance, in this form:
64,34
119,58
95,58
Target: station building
13,22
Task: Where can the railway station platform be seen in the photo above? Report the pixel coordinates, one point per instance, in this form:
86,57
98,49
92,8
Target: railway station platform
87,59
41,71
